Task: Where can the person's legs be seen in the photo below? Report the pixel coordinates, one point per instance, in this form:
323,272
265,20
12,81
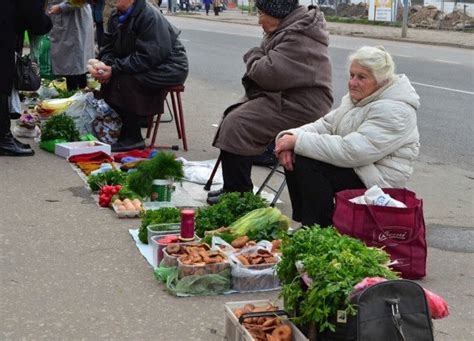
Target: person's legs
9,146
99,31
74,82
130,135
313,185
236,171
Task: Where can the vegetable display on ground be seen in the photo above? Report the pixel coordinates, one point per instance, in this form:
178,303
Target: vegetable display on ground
333,264
231,207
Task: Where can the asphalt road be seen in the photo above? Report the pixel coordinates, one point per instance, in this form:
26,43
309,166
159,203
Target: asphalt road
443,77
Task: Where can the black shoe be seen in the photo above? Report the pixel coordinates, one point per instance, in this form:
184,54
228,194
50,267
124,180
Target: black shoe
216,192
21,144
214,200
14,115
8,147
125,147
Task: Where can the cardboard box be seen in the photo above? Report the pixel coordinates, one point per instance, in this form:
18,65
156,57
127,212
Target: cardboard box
68,149
234,331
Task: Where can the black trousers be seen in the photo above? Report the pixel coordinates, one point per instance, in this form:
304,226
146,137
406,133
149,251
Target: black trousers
312,185
236,171
74,82
99,32
4,116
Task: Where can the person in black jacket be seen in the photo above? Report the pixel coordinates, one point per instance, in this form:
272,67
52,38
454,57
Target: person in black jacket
140,57
16,16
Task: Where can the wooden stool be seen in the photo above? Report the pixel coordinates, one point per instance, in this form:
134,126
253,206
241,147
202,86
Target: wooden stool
175,93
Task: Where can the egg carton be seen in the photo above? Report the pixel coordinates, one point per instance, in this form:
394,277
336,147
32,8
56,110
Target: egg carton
126,213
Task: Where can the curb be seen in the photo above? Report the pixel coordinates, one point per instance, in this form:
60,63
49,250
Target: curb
336,32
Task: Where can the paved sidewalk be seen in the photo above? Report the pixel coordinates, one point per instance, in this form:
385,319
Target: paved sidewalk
420,36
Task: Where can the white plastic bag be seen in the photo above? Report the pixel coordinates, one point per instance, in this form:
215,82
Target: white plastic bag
200,171
82,113
375,196
221,245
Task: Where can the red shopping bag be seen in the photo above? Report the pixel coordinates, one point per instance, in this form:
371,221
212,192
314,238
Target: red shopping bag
399,231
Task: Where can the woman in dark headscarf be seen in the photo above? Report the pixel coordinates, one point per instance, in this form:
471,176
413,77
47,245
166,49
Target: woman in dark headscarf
287,83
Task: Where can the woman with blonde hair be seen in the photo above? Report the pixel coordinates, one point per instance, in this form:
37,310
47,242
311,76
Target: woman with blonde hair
370,139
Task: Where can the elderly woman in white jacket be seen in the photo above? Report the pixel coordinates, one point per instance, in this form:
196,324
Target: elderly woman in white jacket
370,139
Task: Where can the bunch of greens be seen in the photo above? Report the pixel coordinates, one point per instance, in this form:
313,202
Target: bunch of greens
266,223
231,207
335,263
111,177
126,193
64,93
226,236
59,127
161,216
162,166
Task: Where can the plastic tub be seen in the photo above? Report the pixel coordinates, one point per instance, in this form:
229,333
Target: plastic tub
161,229
255,277
159,247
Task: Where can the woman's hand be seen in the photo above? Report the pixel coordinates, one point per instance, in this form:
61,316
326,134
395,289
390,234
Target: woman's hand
287,159
102,73
286,142
55,9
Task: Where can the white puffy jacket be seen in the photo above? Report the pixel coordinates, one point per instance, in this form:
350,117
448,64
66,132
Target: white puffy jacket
377,136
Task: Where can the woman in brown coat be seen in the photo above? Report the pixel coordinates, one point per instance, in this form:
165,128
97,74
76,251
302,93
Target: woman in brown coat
287,83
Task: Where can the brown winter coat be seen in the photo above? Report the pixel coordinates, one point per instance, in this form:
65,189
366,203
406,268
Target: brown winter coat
287,84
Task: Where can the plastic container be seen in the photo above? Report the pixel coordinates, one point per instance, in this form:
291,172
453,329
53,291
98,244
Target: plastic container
172,261
256,277
187,224
161,229
234,331
159,247
161,190
199,270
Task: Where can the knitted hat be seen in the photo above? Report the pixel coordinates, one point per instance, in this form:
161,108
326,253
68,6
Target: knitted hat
277,8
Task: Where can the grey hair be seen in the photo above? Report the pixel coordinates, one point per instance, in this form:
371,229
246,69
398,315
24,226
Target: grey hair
378,61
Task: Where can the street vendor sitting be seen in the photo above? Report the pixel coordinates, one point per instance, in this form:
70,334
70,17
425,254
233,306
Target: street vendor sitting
370,139
141,56
287,83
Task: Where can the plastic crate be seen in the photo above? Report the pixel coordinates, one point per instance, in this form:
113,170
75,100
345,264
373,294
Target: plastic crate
199,270
234,331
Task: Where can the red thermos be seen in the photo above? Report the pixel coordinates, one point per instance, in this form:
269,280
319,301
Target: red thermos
187,225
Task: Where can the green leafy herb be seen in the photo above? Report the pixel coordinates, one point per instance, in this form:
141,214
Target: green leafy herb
228,237
160,216
59,127
110,177
231,207
335,263
162,166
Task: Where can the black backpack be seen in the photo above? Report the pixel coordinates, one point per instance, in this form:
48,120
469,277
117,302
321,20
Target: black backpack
388,311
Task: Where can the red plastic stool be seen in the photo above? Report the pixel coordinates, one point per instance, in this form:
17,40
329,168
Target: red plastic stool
175,94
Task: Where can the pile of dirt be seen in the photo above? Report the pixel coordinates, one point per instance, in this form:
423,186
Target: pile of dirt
454,21
432,18
424,17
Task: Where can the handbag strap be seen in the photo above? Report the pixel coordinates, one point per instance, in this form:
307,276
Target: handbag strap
380,229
